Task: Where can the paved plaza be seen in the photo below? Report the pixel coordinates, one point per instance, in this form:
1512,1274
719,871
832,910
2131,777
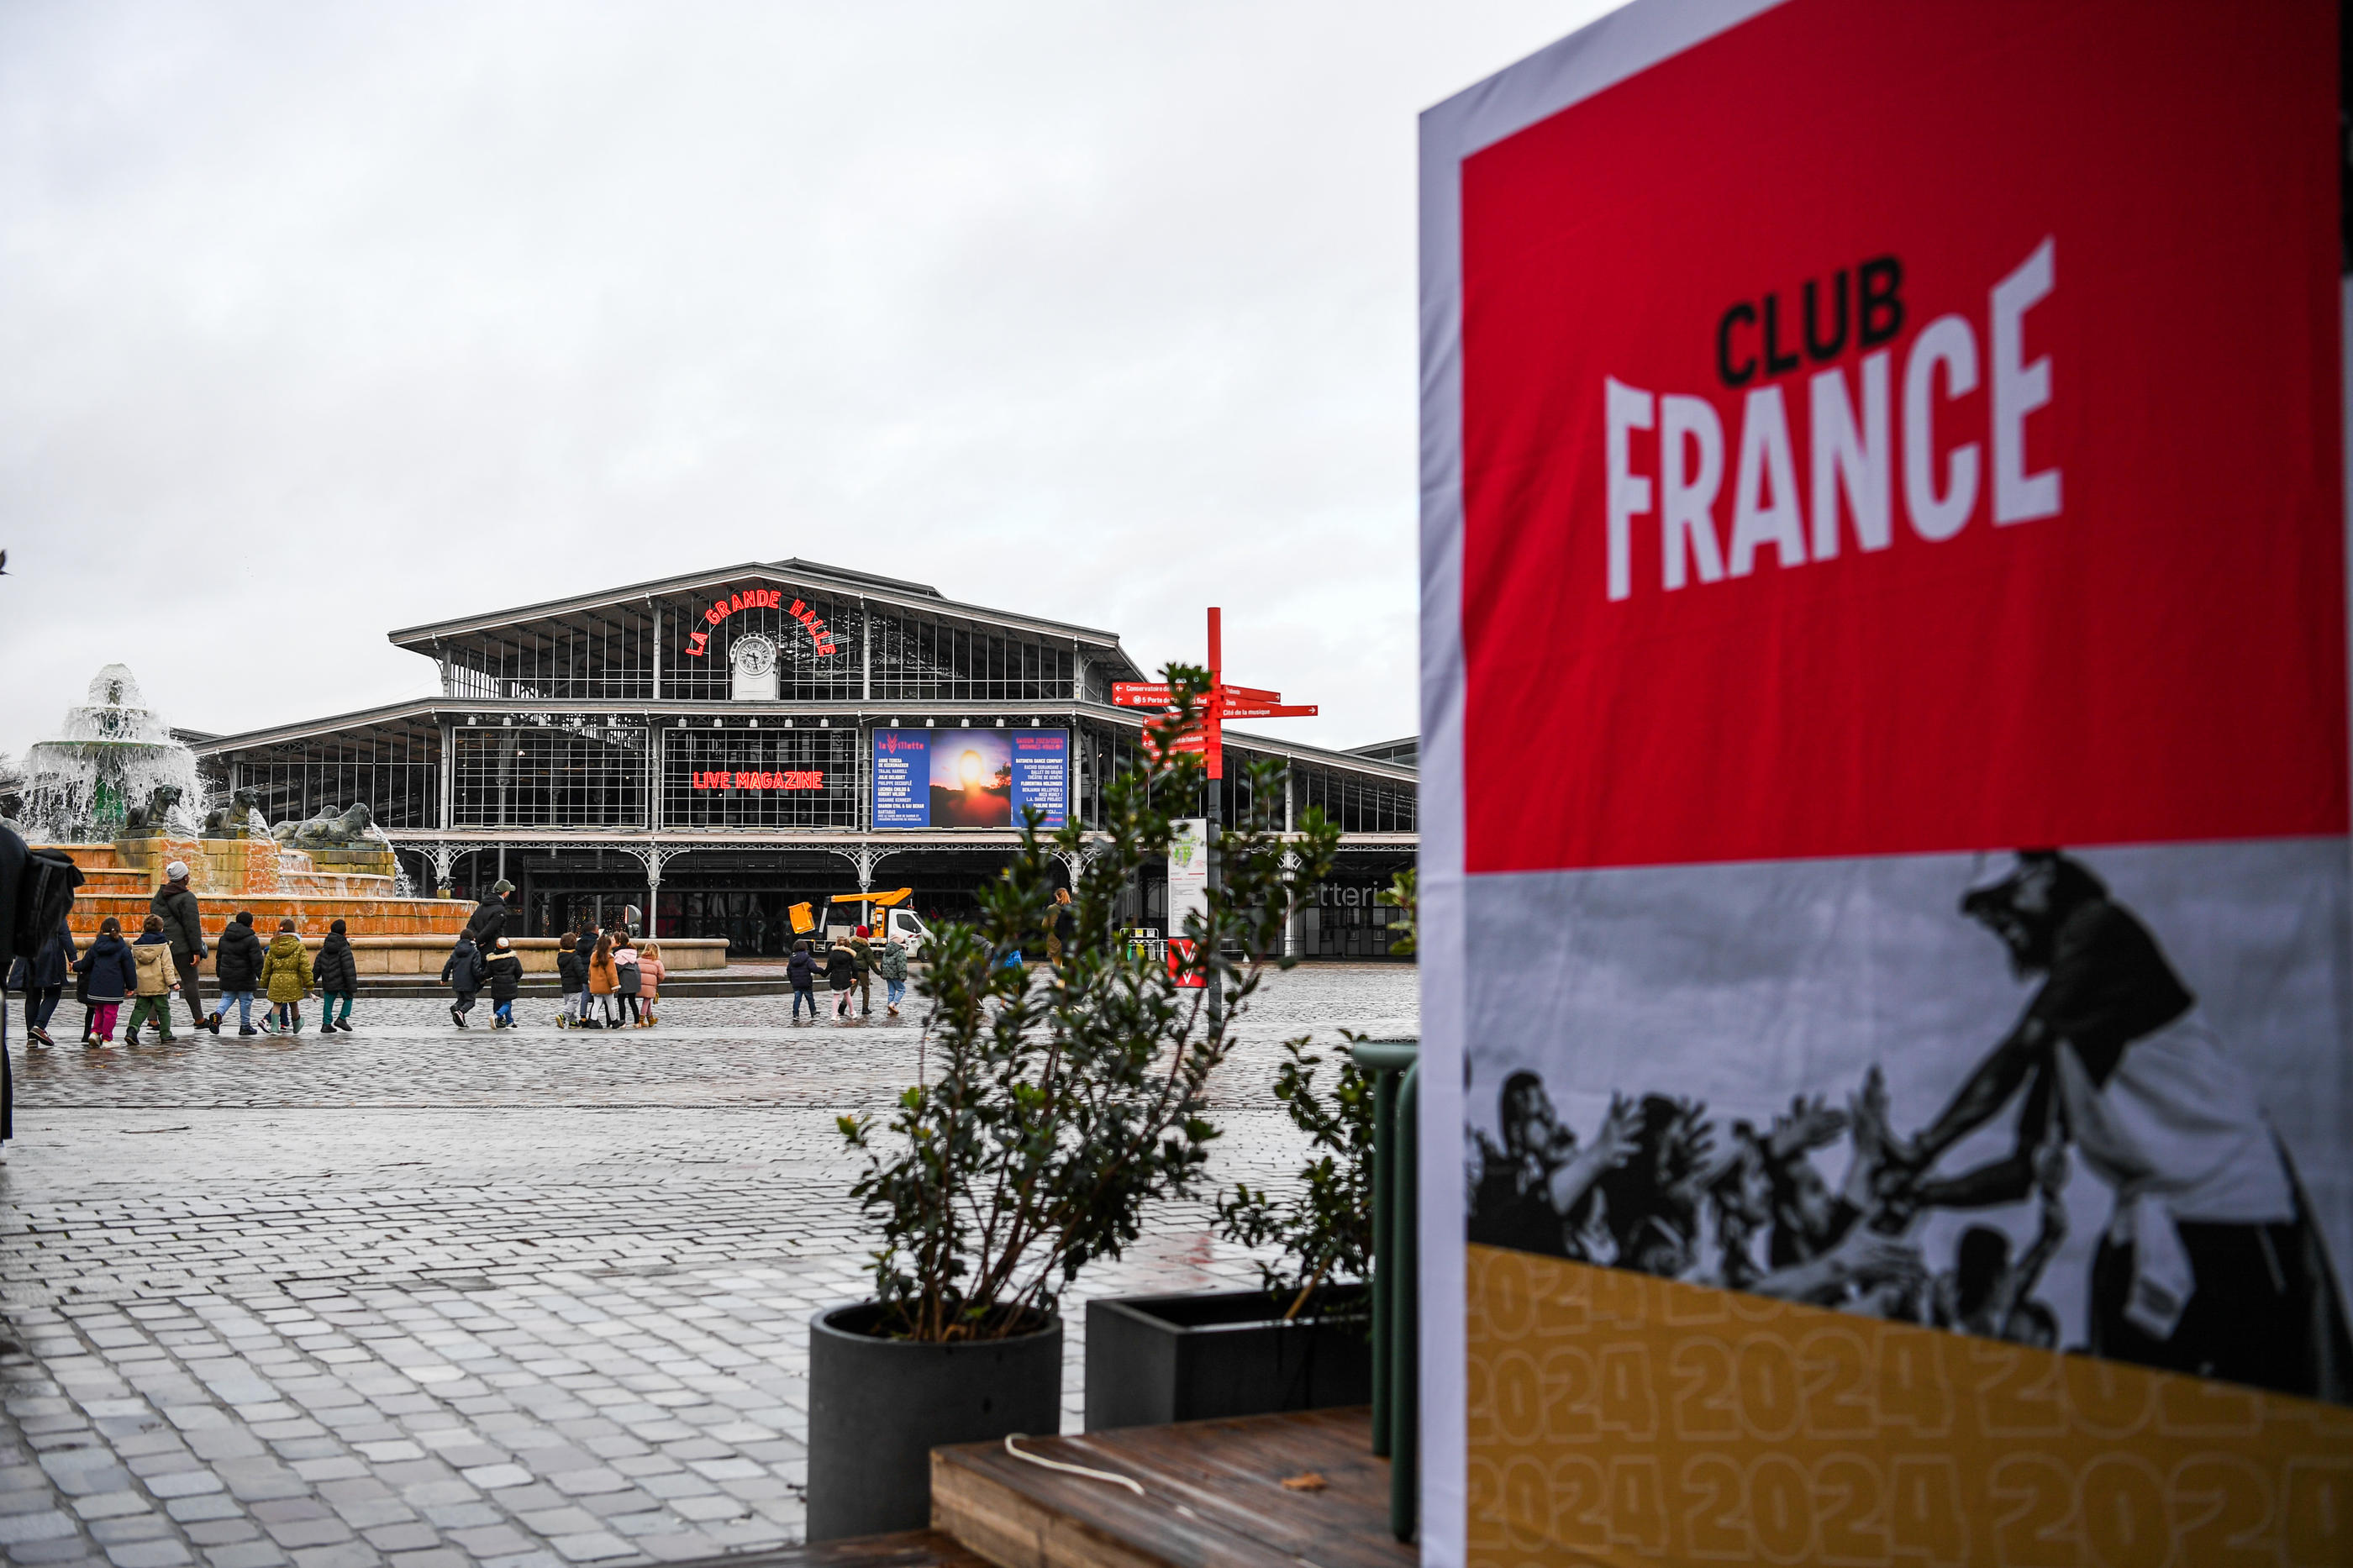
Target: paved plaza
430,1299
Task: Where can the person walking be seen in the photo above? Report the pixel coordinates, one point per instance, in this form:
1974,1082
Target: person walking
152,956
863,951
604,980
504,971
489,920
800,972
1062,930
625,967
584,947
649,974
841,974
573,976
237,967
462,973
286,978
81,995
890,964
336,971
41,977
183,925
109,975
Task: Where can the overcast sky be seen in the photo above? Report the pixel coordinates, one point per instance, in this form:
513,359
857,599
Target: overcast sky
323,320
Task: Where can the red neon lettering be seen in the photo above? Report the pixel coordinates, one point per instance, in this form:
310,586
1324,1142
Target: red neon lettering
694,644
797,607
716,614
767,598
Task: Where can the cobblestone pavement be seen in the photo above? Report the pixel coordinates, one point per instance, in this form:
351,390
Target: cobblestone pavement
430,1299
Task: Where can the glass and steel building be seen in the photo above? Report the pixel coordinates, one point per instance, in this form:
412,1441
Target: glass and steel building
704,747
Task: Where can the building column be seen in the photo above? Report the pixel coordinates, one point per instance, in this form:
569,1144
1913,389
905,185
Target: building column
653,857
449,774
655,745
1294,928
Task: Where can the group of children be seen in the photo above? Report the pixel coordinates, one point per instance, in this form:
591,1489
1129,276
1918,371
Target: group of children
142,973
603,976
847,966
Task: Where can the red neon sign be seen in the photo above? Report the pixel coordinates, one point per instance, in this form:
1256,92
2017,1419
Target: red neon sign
800,778
820,638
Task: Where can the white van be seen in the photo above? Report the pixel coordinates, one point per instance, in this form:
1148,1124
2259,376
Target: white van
904,924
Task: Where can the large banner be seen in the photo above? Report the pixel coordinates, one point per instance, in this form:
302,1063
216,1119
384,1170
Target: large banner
1886,940
970,778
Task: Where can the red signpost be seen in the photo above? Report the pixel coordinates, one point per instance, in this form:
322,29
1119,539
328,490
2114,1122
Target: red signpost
1225,702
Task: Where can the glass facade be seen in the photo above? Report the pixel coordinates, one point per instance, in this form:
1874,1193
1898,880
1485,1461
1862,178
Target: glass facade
394,769
830,647
531,776
1358,803
801,777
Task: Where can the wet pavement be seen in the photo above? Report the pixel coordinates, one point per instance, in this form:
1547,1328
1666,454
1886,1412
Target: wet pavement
425,1298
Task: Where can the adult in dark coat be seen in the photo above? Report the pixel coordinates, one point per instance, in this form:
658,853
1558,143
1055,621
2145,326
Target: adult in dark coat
237,967
489,920
175,906
14,854
42,977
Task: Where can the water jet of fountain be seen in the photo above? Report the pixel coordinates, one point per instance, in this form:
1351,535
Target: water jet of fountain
110,754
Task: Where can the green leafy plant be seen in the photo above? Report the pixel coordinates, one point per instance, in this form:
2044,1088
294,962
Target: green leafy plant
1402,894
1057,1103
1325,1226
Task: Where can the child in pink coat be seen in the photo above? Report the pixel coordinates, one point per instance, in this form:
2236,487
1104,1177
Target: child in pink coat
650,979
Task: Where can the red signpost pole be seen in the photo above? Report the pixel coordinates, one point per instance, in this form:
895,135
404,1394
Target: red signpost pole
1216,757
1208,738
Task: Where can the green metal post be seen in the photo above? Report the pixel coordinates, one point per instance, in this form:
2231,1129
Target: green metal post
1384,1227
1405,1332
1387,1061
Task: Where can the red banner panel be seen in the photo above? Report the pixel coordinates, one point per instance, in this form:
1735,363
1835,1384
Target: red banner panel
1954,464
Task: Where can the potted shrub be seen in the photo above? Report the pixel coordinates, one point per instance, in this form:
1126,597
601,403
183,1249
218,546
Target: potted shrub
1052,1103
1303,1339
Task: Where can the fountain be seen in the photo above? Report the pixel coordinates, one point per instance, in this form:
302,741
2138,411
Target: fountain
113,758
117,793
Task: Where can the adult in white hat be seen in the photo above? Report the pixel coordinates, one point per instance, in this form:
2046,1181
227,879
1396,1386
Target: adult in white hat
175,906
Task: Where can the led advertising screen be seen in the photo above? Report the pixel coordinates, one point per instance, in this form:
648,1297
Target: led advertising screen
969,778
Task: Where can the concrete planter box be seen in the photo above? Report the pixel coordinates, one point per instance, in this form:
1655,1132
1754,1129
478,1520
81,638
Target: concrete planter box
877,1407
1156,1359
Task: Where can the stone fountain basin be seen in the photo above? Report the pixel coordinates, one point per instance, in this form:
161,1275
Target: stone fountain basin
389,935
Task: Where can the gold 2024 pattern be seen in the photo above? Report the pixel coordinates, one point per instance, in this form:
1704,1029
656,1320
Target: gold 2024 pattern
1620,1419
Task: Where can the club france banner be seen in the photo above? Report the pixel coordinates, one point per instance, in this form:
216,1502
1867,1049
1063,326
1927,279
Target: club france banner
1885,938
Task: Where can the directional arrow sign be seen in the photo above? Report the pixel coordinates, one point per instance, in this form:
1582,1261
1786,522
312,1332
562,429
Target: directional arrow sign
1139,694
1248,694
1267,710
